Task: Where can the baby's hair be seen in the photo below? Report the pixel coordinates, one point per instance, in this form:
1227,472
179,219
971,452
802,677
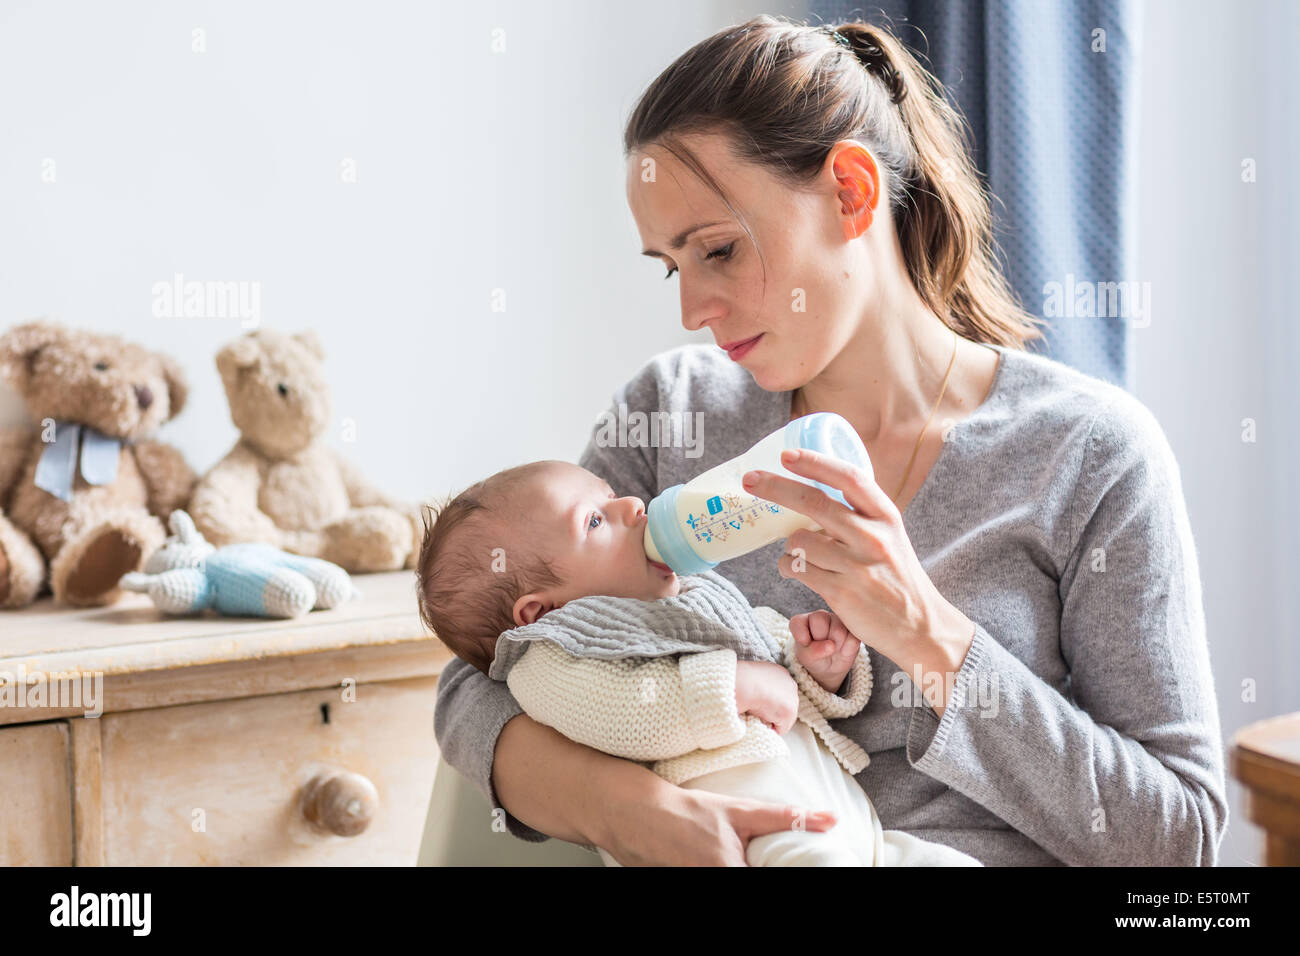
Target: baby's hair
463,597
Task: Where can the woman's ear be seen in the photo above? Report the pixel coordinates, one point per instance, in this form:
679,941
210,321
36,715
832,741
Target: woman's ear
20,346
857,183
178,390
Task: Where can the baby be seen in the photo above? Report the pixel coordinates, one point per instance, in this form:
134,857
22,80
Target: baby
537,576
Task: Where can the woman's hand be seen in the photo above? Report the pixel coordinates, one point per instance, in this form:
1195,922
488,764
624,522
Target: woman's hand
768,692
863,566
672,826
578,794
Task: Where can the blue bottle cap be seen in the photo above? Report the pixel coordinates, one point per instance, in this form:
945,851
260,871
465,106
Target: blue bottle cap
668,537
830,434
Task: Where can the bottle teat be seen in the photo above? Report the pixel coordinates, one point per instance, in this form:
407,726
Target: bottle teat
651,551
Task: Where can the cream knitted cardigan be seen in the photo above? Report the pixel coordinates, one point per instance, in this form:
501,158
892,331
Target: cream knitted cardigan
678,712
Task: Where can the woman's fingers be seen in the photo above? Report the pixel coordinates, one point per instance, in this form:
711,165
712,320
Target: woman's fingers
859,488
796,496
806,573
861,529
818,547
760,818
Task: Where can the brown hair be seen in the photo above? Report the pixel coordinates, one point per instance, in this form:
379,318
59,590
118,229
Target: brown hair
463,599
786,92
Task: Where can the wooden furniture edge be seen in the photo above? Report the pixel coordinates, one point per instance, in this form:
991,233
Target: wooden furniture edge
87,758
229,680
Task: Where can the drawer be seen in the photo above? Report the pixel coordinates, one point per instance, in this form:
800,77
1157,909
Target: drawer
35,796
223,783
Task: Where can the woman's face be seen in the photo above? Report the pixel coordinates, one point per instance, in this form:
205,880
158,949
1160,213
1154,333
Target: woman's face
784,330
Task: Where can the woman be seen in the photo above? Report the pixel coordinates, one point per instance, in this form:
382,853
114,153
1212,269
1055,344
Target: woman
1020,566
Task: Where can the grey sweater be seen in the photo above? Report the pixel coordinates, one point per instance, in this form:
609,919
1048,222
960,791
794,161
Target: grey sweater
1083,727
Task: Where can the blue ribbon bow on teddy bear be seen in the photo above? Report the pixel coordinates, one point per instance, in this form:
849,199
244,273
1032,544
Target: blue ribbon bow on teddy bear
56,470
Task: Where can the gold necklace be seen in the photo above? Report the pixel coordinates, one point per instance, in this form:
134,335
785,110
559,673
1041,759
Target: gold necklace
912,460
798,396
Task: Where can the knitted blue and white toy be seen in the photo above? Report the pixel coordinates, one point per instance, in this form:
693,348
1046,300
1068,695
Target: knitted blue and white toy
187,574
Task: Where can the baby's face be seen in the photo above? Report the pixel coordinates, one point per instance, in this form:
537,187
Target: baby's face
593,538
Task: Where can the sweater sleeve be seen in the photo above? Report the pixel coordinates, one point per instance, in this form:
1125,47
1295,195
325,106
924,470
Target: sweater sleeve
1128,769
640,708
468,715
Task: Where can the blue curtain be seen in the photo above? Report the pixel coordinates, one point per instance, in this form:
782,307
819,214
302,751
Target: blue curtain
1052,105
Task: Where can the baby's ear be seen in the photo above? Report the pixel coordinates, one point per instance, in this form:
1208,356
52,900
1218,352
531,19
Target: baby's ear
20,346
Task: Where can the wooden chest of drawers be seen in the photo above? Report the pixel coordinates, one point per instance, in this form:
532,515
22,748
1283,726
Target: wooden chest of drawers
219,741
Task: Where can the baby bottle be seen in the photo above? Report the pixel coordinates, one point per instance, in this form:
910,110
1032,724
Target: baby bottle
710,519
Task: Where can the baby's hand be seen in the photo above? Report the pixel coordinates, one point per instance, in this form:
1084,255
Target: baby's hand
824,646
768,692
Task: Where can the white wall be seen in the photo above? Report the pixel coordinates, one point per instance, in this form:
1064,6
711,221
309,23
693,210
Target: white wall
475,170
1219,86
478,170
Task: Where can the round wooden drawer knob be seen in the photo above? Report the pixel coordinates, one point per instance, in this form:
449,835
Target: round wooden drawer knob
339,802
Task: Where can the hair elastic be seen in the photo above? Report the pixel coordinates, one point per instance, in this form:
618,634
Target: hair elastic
875,60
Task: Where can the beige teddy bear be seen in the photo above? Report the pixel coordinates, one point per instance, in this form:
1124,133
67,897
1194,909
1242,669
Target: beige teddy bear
281,484
85,489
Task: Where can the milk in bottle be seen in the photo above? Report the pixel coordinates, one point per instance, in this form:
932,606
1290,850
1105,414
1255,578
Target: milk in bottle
711,518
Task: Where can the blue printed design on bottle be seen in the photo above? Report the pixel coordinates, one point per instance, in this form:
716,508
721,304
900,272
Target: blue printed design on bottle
728,513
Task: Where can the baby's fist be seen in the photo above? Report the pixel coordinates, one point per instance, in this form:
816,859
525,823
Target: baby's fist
825,647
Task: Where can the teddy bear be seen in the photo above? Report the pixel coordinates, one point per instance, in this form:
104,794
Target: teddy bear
81,494
187,575
282,484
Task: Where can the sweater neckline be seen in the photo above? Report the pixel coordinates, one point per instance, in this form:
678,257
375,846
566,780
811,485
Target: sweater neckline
994,397
946,453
